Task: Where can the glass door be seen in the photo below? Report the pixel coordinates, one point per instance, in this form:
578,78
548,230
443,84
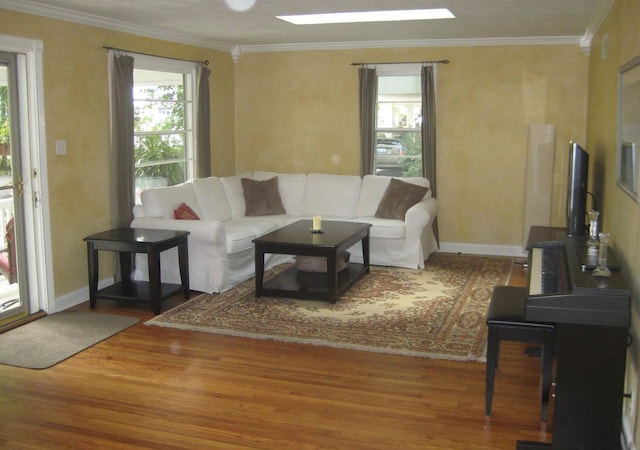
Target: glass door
13,297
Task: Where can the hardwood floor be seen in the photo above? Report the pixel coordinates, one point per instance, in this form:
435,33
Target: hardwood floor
153,387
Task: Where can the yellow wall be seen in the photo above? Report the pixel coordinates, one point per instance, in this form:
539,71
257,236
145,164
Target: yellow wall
297,111
77,110
621,36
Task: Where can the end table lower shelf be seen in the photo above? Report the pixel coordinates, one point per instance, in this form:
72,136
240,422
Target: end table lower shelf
137,290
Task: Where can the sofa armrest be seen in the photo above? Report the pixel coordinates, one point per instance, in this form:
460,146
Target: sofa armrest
420,215
207,232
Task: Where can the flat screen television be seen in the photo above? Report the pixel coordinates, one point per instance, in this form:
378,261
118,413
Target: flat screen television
577,190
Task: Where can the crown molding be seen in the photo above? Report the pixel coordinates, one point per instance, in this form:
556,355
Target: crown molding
475,42
595,23
54,12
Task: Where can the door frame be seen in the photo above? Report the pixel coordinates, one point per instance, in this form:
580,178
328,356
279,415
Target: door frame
34,172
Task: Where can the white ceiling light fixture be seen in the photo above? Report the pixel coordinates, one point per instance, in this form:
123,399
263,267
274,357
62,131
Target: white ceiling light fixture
240,5
369,16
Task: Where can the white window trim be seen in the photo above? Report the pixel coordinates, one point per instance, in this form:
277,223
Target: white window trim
163,64
390,70
148,62
160,64
398,70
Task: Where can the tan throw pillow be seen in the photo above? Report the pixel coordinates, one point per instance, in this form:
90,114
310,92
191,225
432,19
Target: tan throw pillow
398,198
262,198
184,212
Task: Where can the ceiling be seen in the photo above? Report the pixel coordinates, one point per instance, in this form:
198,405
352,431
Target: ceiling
211,23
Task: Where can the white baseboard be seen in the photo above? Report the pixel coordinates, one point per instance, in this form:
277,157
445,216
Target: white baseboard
81,295
481,249
629,405
626,438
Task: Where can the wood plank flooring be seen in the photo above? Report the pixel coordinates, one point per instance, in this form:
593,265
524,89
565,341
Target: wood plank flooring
162,388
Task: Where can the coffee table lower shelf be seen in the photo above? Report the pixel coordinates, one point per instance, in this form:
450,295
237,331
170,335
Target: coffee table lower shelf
293,283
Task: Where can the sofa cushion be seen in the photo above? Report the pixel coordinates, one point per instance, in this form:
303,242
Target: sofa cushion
280,219
212,199
235,194
331,195
241,232
374,187
398,198
291,187
262,198
184,212
162,201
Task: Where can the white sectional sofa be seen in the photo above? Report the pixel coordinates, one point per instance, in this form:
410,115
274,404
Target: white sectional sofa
221,252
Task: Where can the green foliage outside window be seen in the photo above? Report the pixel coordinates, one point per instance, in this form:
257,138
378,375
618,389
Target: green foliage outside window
159,127
5,161
412,167
4,115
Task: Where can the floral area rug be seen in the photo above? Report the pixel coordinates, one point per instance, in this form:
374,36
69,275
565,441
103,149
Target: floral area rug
438,312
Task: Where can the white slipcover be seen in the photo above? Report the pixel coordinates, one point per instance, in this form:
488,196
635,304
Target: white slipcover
221,253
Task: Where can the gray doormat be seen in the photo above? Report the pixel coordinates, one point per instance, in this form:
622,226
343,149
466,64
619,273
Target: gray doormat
52,339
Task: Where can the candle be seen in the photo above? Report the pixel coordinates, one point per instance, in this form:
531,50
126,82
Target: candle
317,223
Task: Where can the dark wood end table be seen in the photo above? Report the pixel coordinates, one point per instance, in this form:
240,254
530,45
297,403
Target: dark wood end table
127,242
297,239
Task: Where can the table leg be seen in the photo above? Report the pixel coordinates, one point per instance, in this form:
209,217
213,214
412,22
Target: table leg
259,263
183,261
332,276
365,252
92,262
125,267
153,258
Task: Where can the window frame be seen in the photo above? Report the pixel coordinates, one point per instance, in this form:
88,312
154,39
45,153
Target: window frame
189,70
397,70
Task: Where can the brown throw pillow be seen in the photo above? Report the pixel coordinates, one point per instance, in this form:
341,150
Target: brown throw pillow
184,212
262,198
398,198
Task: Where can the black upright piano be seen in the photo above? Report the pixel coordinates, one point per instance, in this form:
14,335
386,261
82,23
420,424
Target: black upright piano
592,317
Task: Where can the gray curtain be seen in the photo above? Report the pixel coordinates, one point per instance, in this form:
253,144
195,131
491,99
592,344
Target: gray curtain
368,96
123,171
203,133
428,129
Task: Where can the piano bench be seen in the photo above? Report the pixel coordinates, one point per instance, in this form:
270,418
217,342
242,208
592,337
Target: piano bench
505,322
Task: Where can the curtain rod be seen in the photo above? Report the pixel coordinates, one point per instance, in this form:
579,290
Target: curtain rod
205,62
442,61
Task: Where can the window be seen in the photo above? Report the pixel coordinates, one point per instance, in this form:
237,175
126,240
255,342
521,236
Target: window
398,121
163,102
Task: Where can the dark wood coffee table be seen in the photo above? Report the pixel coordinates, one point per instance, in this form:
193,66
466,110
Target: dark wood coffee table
297,239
